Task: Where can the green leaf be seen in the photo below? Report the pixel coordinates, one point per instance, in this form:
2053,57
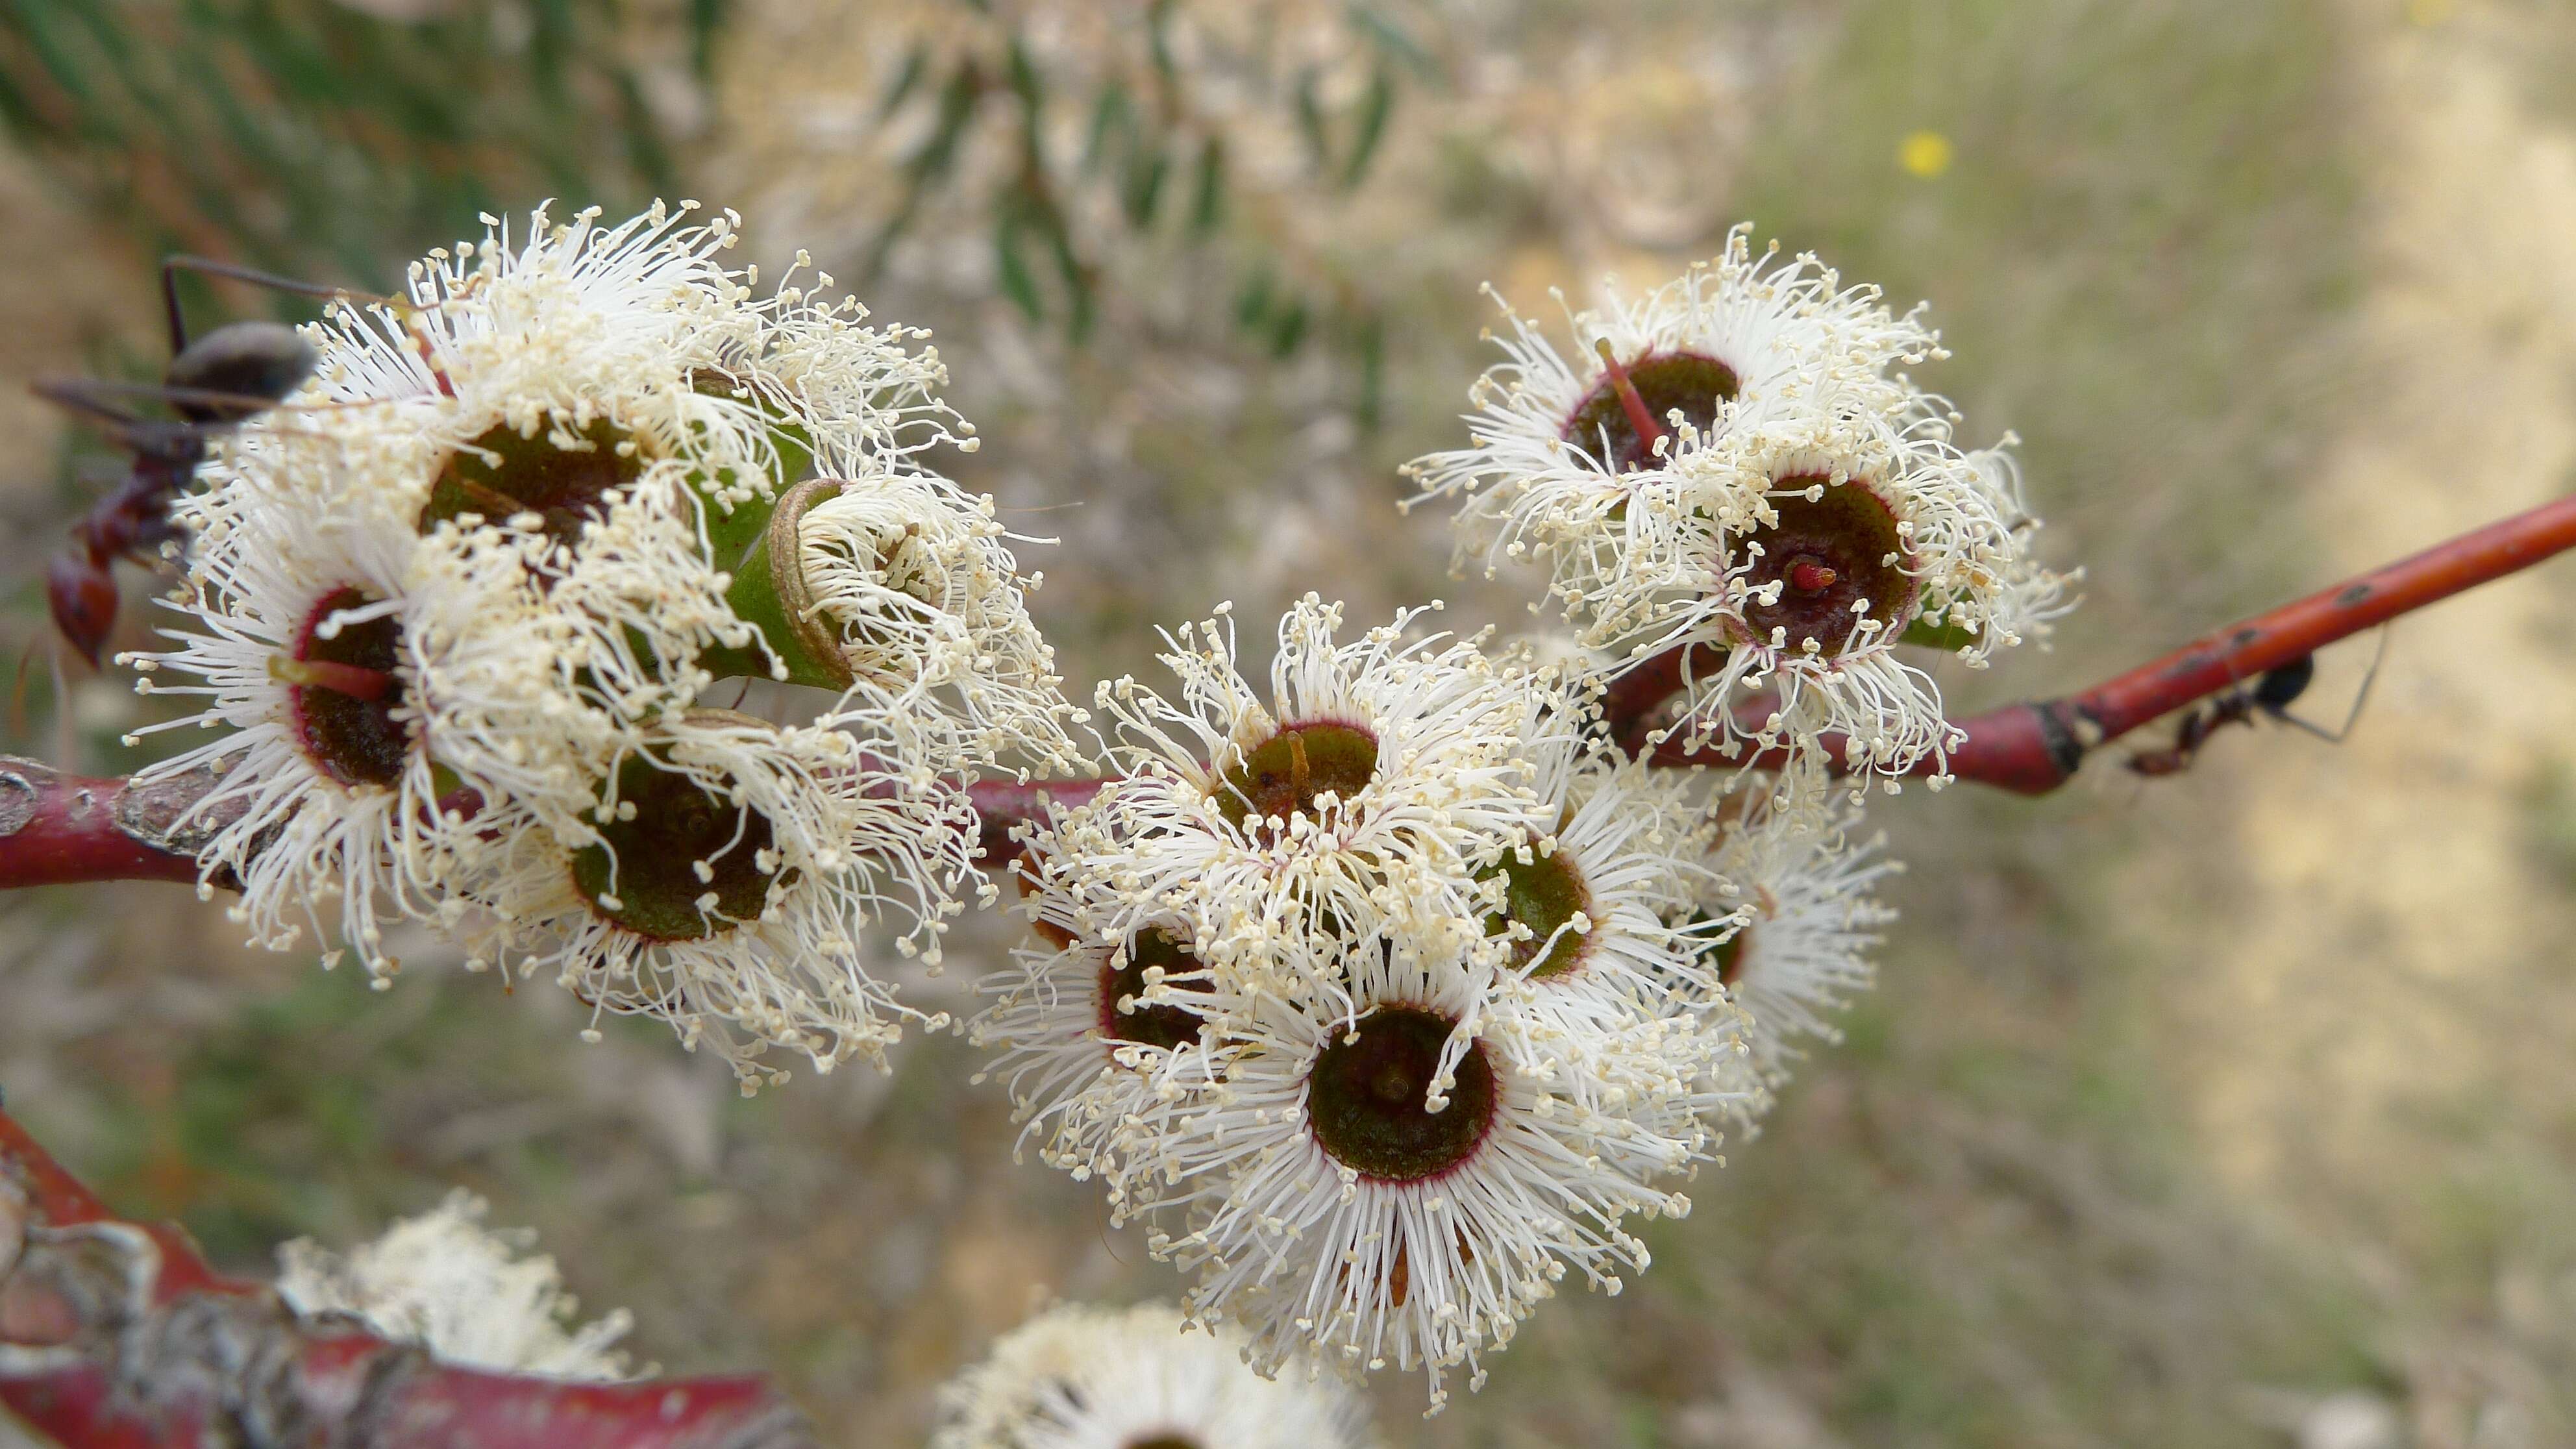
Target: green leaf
1143,194
1932,634
40,22
1158,41
1391,39
1252,301
1372,350
1207,191
1078,288
1018,283
1024,78
1113,121
938,152
1288,330
906,81
1310,120
706,17
1375,107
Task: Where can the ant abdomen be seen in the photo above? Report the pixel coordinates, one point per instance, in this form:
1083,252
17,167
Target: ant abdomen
2279,688
256,362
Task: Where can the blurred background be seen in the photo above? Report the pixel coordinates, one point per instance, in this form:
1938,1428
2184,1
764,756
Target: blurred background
2231,1109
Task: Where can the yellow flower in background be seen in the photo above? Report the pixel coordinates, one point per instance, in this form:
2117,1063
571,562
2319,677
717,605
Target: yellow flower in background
2428,12
1925,153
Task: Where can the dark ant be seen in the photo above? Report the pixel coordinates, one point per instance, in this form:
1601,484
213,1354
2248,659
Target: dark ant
2270,696
237,371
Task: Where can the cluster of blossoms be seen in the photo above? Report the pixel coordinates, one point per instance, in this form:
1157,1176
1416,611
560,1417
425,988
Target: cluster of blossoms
1389,997
466,599
1734,467
1385,997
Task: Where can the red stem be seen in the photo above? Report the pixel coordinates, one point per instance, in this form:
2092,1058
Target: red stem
56,829
60,829
199,1359
1004,804
2268,640
2033,748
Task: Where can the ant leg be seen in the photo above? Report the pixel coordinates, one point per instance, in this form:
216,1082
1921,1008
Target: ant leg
89,395
2360,698
159,392
86,395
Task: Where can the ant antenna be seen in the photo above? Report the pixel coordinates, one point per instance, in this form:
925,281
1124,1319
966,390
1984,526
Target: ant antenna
2360,698
173,265
82,395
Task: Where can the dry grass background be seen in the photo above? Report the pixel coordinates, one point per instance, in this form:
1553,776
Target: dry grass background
2229,1110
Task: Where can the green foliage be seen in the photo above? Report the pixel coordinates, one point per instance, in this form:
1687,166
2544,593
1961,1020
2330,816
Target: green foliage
1160,158
313,137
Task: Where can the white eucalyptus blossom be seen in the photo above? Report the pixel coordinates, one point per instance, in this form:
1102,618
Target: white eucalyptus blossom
1360,1187
470,1295
1372,785
1809,547
1556,454
1085,1039
361,682
460,603
725,882
1588,907
1097,1378
1793,921
912,583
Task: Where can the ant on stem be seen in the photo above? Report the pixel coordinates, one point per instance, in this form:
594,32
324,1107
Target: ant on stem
237,371
2270,696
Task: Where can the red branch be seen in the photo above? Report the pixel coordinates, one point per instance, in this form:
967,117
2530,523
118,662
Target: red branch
56,828
121,1337
1005,805
2033,748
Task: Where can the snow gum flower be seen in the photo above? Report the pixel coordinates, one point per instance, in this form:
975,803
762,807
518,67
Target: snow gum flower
1588,906
1790,920
356,681
1091,1024
1390,1187
469,1295
725,880
1138,1378
1370,786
